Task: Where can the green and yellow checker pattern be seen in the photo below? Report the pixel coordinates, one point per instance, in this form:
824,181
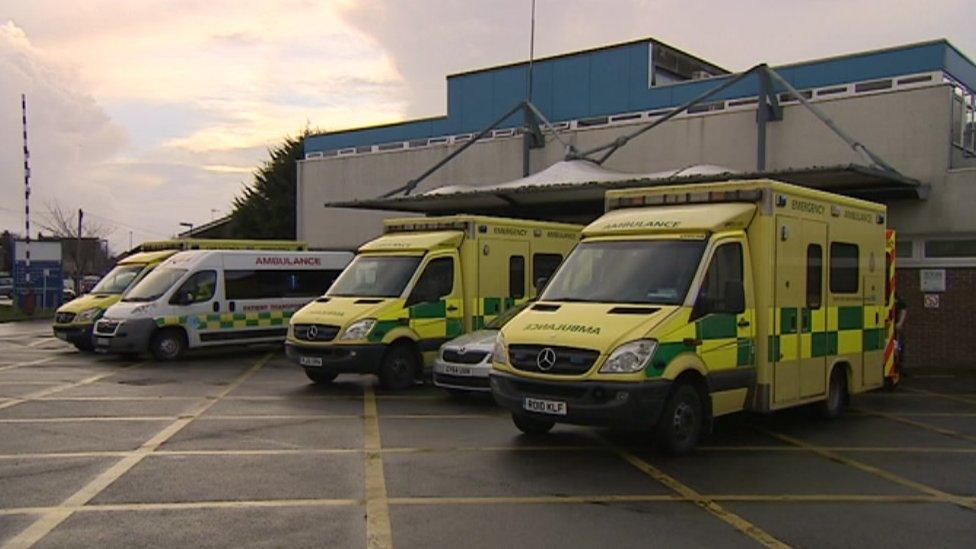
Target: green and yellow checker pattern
722,341
227,321
489,307
439,319
835,331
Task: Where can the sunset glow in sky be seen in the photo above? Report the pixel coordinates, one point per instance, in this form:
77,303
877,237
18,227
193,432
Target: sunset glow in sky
148,113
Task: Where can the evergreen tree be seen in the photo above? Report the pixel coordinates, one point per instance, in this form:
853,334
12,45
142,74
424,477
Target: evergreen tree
266,208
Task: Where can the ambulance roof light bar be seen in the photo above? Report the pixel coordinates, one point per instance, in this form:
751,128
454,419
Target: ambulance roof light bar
425,225
667,199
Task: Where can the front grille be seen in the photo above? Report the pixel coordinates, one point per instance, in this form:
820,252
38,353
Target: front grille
462,381
64,318
568,360
468,357
107,327
561,390
316,332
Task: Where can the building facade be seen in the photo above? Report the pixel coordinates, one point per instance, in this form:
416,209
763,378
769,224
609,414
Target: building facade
912,106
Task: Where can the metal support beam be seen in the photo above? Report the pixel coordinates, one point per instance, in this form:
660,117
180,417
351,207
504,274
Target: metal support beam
767,110
412,184
858,147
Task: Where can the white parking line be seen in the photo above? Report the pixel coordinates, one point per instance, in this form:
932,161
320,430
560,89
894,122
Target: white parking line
52,390
50,520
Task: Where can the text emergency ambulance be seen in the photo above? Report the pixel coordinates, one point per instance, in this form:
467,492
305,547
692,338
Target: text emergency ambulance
75,320
685,303
424,282
217,297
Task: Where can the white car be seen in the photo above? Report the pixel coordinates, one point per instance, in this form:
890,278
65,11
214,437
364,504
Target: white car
463,363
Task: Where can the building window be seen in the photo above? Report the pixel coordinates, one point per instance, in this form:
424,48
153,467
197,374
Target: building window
844,273
814,276
516,276
950,248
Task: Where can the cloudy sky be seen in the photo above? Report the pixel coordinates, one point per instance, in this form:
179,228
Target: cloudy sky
147,113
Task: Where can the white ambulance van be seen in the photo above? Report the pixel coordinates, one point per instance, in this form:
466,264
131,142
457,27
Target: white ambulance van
205,298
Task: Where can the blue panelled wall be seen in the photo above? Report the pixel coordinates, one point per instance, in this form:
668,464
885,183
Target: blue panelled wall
615,79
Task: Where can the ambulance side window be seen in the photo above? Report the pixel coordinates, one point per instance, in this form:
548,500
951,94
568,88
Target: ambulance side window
844,275
814,276
722,290
198,288
436,281
516,276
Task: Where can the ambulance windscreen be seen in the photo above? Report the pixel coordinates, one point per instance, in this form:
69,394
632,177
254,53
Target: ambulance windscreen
375,276
633,271
154,285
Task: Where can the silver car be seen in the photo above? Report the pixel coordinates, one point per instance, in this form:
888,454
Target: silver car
463,363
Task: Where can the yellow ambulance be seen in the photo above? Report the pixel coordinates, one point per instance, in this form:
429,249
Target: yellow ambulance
75,320
423,282
685,303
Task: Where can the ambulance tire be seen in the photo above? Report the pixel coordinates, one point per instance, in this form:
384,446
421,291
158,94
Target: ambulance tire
531,425
168,345
682,419
833,405
320,377
399,368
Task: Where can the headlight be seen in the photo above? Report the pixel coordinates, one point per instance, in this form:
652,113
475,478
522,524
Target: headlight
499,353
89,314
630,357
359,329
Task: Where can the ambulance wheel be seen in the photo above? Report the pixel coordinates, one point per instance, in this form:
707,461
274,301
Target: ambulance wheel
681,422
833,405
167,345
531,425
321,377
399,368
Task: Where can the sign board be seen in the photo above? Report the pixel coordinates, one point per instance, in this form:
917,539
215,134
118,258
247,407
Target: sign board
932,280
40,251
931,301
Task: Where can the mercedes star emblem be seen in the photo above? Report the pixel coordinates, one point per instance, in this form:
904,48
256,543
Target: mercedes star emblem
313,331
546,359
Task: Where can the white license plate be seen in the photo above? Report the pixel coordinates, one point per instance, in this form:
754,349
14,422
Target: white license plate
102,341
457,370
310,360
553,407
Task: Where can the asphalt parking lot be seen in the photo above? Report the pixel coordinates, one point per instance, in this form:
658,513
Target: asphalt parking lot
239,449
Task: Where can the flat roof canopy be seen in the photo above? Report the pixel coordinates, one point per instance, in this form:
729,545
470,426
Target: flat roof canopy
575,199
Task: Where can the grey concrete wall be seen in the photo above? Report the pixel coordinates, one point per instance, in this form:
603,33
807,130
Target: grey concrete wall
908,128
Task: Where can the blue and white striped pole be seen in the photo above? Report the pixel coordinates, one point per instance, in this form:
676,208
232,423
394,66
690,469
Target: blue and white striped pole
27,192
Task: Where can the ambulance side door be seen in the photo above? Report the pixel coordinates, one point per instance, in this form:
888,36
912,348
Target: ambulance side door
435,304
197,305
503,277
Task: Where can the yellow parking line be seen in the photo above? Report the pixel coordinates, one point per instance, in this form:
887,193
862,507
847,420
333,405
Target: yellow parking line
825,498
3,383
447,449
956,398
932,428
689,493
378,532
295,397
49,521
27,363
530,500
64,387
887,475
